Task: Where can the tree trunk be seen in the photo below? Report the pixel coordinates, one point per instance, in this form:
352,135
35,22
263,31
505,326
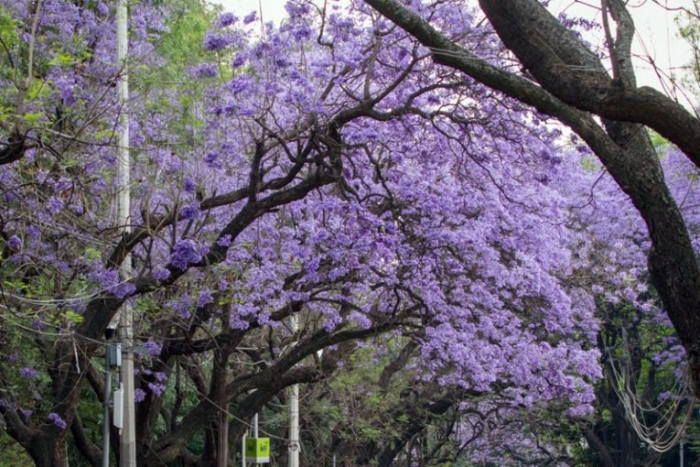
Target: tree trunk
48,451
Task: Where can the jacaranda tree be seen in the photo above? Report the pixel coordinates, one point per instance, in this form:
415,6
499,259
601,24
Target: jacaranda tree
559,75
325,169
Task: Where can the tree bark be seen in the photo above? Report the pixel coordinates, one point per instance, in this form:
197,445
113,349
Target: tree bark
48,451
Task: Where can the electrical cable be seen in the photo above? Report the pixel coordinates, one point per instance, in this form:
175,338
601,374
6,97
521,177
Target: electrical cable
663,435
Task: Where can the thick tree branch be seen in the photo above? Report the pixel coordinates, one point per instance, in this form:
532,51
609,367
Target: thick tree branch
563,66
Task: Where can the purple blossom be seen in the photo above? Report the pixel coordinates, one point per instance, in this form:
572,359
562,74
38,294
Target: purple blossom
153,348
33,232
161,274
187,252
214,41
102,8
123,289
205,298
295,9
212,160
139,395
55,205
227,19
56,419
68,95
302,33
109,280
182,306
224,241
206,70
157,389
29,373
189,185
14,242
250,17
191,211
240,84
238,60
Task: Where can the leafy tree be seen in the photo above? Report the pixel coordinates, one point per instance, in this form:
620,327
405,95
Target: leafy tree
325,170
571,84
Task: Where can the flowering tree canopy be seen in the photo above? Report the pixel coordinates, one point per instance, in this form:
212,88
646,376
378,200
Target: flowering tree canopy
571,83
325,169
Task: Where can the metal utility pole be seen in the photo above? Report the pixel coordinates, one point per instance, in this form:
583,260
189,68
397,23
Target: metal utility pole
243,457
126,332
682,453
113,359
294,412
255,430
105,416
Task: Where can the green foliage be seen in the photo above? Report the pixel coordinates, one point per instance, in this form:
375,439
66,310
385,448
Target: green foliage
181,49
9,41
12,453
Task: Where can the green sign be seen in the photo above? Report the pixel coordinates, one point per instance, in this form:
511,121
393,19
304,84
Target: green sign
257,450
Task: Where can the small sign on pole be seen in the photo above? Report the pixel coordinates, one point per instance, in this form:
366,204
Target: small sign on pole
257,450
118,410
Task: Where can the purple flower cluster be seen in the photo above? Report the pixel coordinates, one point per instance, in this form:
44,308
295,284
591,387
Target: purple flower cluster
190,211
250,17
153,348
187,252
56,419
212,160
161,274
206,70
215,41
157,389
29,373
139,395
227,19
14,242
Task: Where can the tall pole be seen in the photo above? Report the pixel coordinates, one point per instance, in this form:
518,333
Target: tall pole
243,459
255,430
105,416
126,332
682,454
294,413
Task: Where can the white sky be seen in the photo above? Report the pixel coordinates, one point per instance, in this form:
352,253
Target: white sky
656,41
657,36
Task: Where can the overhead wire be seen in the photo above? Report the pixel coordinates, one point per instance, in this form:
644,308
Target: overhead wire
665,433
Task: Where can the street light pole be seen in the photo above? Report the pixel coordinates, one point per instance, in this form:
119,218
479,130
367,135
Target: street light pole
105,416
294,411
128,438
682,453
